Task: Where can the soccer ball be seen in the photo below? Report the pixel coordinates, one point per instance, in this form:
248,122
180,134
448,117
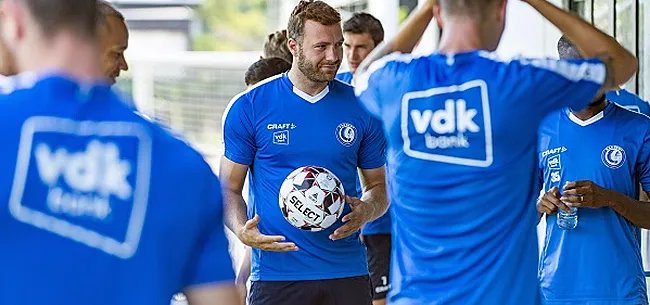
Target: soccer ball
312,198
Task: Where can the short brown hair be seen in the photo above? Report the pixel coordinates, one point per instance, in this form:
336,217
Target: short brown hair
318,11
276,46
362,23
53,16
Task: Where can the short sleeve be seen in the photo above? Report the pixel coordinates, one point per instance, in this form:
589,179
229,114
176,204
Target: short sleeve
239,131
372,153
643,162
557,84
211,261
379,81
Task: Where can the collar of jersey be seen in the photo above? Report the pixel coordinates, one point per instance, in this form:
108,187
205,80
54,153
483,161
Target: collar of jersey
590,120
311,99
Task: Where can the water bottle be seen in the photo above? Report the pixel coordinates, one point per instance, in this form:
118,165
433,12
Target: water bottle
179,299
567,221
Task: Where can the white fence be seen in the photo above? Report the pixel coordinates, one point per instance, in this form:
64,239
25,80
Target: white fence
188,91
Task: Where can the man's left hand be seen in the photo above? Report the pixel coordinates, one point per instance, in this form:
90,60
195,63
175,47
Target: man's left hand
354,221
586,194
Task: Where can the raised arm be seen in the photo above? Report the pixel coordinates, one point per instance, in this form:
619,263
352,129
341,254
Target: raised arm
620,63
406,39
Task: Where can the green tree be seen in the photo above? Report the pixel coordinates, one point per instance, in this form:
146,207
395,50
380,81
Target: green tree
233,25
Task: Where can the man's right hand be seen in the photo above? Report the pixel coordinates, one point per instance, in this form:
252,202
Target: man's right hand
251,236
550,202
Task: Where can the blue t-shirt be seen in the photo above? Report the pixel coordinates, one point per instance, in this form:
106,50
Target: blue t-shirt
599,262
275,128
101,206
629,100
461,132
382,224
345,77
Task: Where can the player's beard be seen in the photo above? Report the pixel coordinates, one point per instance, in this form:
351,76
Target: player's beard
312,71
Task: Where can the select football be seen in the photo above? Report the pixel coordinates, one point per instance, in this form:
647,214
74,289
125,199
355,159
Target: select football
312,198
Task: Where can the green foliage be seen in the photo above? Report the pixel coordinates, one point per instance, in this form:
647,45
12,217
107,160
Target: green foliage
403,13
233,25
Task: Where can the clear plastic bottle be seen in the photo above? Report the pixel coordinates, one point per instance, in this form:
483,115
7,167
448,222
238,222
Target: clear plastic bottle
567,221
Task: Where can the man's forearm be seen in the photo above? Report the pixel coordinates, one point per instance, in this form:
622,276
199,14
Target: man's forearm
235,209
376,197
635,211
590,41
405,40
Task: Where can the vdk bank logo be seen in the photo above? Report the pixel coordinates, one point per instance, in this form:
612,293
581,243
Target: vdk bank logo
86,181
449,124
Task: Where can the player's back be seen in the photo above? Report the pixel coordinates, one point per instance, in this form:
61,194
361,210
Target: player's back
461,134
104,207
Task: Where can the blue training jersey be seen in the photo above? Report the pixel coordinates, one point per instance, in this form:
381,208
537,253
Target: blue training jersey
598,262
629,100
380,225
345,77
461,133
275,128
101,206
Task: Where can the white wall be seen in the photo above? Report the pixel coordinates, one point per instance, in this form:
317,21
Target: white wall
527,33
387,11
146,41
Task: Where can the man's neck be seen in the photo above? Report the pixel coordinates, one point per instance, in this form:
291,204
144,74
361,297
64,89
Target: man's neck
305,85
590,111
67,54
461,35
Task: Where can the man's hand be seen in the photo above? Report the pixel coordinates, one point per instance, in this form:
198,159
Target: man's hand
586,194
550,202
361,213
251,236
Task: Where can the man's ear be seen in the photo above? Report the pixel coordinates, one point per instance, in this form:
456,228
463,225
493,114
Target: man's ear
293,47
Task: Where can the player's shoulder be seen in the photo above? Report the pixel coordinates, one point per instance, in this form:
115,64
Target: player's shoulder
394,66
11,84
625,114
399,60
15,96
574,69
551,120
269,86
345,77
626,98
261,92
172,148
339,85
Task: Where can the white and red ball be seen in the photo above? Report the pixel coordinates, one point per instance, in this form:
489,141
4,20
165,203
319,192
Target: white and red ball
312,198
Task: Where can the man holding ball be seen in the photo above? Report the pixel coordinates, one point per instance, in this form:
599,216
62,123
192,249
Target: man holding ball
304,118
